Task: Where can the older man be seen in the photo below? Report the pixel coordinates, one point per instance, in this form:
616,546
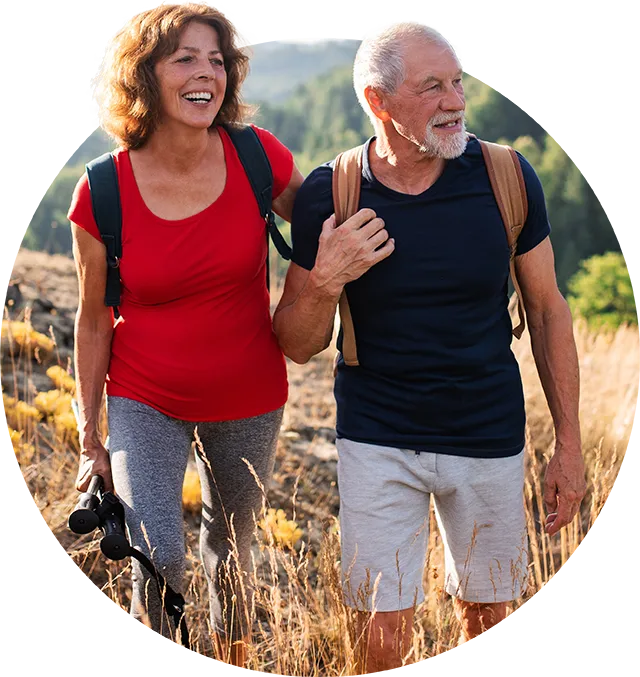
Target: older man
435,405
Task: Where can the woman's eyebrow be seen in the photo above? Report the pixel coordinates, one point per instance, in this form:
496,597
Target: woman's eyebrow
196,50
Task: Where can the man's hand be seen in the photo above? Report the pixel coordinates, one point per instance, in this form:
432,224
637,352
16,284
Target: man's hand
564,486
347,252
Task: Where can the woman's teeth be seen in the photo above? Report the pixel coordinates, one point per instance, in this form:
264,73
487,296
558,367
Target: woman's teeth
198,97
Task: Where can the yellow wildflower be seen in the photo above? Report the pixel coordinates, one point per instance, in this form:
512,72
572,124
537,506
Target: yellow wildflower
53,402
16,436
25,336
24,412
191,492
65,423
285,532
61,379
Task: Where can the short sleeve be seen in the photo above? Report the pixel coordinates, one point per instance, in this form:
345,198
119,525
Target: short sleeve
81,211
313,205
536,227
280,157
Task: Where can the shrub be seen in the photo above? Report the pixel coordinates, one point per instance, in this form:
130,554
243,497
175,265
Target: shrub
601,292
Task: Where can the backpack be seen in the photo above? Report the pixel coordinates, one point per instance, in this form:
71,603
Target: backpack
507,183
107,211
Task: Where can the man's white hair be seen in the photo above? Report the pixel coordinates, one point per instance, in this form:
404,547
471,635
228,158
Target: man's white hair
380,63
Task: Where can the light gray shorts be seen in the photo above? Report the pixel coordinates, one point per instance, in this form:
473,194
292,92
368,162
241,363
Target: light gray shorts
384,525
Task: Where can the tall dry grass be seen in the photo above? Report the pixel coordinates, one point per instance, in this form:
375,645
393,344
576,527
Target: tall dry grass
300,626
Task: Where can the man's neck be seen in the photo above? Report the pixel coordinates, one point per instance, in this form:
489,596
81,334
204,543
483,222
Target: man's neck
400,165
179,150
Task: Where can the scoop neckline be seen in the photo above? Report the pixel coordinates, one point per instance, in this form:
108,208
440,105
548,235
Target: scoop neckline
138,194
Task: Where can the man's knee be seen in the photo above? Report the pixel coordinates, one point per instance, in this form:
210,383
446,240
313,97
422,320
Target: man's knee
476,617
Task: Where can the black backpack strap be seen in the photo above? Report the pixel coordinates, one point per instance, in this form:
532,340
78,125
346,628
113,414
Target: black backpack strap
258,170
105,200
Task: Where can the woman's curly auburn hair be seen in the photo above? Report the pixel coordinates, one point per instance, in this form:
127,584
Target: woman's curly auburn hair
127,88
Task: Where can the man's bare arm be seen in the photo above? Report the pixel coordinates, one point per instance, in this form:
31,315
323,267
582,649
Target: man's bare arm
554,351
303,321
553,345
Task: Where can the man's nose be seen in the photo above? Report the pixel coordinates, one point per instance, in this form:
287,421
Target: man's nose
453,99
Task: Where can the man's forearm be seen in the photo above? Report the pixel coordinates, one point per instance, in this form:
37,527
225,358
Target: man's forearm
304,327
554,351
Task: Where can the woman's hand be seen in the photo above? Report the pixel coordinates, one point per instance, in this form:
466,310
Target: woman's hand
347,252
94,460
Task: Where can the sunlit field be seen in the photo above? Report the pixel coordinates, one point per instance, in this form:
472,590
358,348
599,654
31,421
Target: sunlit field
300,626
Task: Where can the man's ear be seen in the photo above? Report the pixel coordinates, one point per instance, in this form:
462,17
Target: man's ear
377,104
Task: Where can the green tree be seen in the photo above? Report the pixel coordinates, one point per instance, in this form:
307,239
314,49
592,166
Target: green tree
601,292
49,229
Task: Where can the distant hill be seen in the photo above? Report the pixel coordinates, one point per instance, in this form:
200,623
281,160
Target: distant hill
278,68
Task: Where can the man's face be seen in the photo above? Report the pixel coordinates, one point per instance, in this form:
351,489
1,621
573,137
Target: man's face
428,107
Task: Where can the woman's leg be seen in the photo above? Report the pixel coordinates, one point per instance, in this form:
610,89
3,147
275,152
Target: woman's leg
149,453
230,499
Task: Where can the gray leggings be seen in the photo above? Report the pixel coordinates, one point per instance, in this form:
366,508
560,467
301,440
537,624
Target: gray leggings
149,453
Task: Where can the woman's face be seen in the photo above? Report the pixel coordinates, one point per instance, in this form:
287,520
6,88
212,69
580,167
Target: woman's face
193,79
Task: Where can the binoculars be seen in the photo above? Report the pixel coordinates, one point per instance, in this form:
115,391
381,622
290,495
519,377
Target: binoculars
98,508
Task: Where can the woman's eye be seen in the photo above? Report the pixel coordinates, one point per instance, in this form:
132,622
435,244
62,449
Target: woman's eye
183,59
218,62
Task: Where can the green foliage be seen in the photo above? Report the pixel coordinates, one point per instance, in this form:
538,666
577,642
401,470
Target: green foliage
49,229
319,119
601,292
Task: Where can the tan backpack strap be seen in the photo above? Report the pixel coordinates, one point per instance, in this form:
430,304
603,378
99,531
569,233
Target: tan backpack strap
507,182
347,177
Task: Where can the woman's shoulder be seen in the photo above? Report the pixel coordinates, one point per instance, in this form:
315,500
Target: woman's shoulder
81,208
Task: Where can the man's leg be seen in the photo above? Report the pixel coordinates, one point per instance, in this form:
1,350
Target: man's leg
384,639
384,509
480,512
475,618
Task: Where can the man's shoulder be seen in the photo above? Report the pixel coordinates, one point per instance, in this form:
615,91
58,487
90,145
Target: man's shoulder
316,188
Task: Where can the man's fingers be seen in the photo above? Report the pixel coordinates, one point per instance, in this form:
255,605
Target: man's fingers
372,228
550,495
563,517
359,219
330,223
378,239
384,251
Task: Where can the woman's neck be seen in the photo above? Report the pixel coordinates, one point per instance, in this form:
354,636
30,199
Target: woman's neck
178,150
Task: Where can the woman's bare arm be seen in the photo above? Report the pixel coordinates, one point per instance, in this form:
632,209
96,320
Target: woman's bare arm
283,204
92,351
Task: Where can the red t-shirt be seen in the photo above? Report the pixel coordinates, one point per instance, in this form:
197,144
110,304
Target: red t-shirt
195,339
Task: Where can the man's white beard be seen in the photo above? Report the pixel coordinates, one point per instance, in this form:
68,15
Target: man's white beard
447,147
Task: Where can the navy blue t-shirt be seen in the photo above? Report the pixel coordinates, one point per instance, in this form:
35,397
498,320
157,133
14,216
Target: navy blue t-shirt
431,322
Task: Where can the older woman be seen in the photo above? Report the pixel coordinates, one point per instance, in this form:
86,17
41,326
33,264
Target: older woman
193,352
